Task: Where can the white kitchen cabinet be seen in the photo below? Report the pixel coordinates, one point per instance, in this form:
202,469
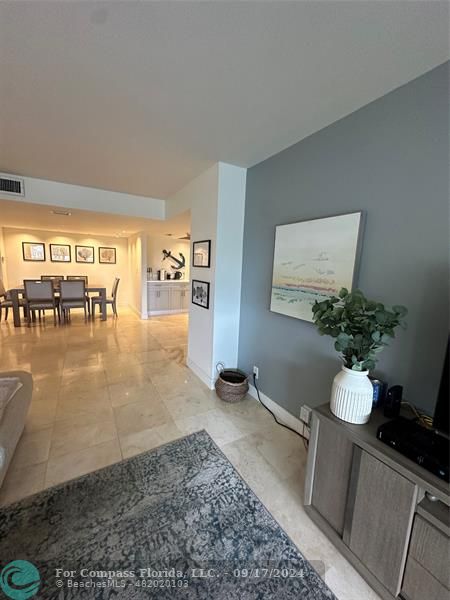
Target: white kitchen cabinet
163,298
176,297
167,297
185,298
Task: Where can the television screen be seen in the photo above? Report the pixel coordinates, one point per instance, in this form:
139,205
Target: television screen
441,413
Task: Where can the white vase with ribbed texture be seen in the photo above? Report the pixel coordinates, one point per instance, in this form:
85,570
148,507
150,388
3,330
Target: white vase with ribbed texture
352,396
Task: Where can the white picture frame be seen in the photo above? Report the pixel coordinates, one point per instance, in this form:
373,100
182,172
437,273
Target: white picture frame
313,260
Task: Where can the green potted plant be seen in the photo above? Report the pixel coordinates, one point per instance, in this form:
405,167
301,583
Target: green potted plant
361,328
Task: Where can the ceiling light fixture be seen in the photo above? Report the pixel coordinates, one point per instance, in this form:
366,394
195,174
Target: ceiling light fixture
64,213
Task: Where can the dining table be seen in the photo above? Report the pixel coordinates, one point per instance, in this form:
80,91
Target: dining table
16,292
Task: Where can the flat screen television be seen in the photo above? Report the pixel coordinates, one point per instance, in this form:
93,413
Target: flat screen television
441,413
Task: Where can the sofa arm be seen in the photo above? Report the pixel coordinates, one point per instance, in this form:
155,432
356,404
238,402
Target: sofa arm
13,420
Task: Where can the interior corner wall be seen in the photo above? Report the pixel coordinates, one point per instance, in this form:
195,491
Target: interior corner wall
390,159
200,196
216,200
228,272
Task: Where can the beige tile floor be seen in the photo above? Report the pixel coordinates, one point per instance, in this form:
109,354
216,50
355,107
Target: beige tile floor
105,391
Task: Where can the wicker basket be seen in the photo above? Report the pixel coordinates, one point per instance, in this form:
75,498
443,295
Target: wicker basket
231,384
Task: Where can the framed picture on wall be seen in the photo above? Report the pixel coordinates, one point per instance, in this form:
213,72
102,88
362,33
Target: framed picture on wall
107,256
84,254
200,293
313,260
34,251
201,254
60,253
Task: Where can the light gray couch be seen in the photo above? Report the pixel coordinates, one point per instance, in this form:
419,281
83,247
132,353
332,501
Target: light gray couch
13,420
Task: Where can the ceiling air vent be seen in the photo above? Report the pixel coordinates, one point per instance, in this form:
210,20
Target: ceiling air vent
12,185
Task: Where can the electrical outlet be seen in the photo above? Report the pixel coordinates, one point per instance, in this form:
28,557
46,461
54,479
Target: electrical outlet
256,372
305,414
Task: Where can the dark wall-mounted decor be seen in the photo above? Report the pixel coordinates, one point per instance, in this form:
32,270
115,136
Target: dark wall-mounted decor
201,254
33,251
107,256
177,263
200,293
84,254
60,253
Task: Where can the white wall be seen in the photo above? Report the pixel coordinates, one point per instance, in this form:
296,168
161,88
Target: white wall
17,269
54,193
3,275
200,196
137,261
216,200
155,246
228,272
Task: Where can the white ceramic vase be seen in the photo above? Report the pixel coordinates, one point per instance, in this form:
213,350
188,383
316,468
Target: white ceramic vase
352,396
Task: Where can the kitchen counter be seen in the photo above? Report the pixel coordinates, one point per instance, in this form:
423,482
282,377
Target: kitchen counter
158,282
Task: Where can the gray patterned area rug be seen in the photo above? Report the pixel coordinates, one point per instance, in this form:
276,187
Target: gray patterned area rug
175,522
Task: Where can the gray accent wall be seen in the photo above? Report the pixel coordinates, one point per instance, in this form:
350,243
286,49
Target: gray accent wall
391,160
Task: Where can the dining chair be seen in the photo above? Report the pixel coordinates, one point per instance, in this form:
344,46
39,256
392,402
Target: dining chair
72,294
40,295
77,278
6,302
111,300
85,279
56,279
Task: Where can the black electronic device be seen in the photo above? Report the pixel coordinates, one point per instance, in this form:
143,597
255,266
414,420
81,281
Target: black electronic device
441,412
429,448
393,401
424,446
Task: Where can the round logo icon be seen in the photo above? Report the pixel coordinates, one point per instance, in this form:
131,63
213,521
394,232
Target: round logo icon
20,580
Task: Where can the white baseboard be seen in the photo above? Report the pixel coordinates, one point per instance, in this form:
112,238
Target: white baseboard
208,381
155,313
281,413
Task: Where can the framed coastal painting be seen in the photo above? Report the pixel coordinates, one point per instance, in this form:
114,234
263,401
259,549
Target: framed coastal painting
200,293
201,254
33,251
107,256
312,261
84,254
60,253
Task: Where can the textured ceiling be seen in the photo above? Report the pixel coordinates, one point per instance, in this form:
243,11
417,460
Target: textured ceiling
141,97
